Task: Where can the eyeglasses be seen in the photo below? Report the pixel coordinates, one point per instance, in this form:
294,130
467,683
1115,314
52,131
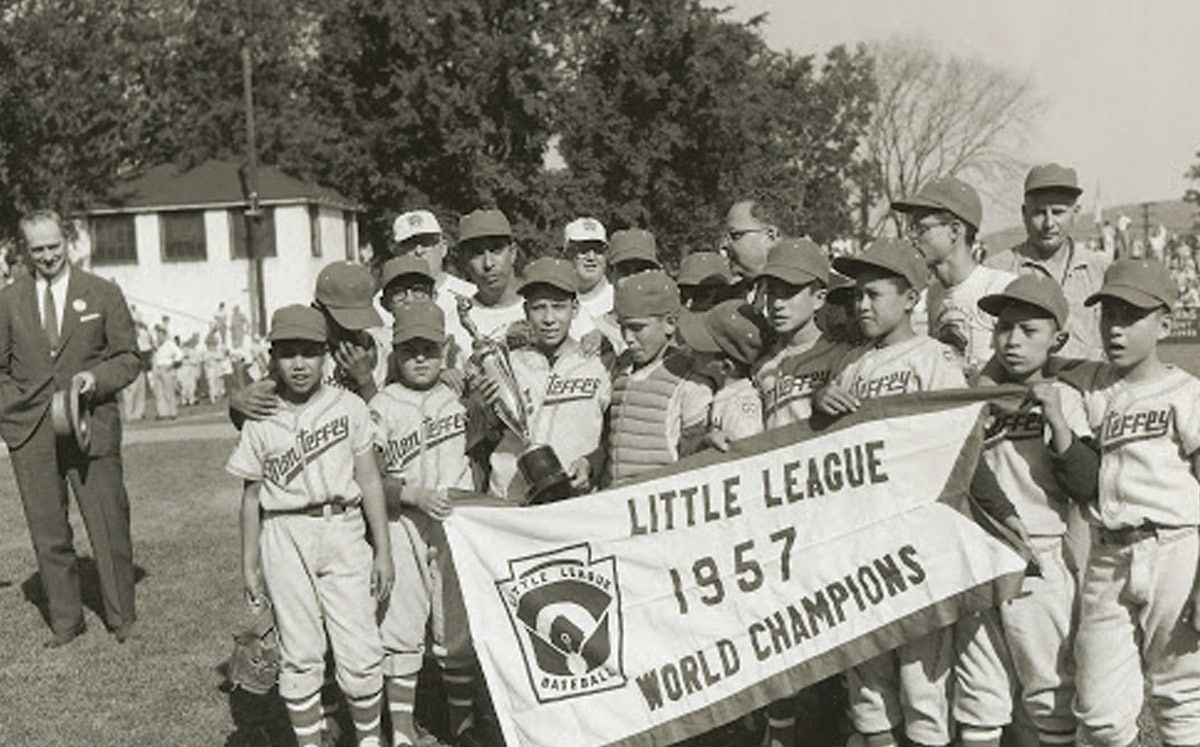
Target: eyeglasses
577,248
738,234
917,230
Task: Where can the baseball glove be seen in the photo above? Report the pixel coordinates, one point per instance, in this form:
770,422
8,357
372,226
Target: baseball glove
254,663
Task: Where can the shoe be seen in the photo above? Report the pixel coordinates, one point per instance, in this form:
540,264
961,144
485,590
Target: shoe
125,632
58,640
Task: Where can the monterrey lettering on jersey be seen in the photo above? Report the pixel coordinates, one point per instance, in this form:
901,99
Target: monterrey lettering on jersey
1015,426
1119,428
400,450
568,388
894,382
789,388
284,468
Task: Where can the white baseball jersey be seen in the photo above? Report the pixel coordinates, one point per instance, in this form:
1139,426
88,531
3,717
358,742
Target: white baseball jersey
566,400
955,311
919,364
1147,432
304,455
421,436
737,409
788,379
1017,449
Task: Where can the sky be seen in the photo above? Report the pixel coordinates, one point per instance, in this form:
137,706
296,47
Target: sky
1119,77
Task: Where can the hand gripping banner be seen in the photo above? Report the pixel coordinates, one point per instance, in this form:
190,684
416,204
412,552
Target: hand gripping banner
657,610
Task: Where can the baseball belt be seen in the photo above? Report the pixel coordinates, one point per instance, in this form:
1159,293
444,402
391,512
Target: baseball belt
70,416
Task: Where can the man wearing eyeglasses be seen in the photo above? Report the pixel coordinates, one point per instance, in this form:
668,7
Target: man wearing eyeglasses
417,233
1049,211
750,232
943,219
585,246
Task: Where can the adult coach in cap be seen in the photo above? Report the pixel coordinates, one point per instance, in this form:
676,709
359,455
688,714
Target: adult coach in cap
417,233
58,327
585,246
943,219
489,254
1049,211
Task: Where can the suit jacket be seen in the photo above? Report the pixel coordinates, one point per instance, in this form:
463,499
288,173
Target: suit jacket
97,335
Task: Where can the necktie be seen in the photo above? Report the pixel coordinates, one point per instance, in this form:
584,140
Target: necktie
50,318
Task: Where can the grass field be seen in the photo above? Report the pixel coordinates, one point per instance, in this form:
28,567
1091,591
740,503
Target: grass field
161,689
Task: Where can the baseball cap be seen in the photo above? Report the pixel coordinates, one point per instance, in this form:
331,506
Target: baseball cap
297,322
549,271
480,223
633,243
414,223
646,294
584,229
345,289
797,261
423,319
1035,290
1145,283
704,268
892,255
734,328
409,264
1052,176
946,193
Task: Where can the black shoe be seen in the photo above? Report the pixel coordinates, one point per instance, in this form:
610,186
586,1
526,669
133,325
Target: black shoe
58,640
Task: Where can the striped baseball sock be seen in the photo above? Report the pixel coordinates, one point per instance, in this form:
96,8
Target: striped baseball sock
305,715
401,694
459,683
365,712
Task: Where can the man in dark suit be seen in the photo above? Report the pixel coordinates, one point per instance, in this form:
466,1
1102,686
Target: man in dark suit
58,325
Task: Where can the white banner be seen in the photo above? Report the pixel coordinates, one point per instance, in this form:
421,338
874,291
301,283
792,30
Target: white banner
647,613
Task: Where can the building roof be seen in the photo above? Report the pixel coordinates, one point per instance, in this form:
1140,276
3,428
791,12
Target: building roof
212,184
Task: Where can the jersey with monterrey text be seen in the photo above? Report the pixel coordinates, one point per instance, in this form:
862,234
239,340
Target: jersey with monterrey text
422,436
920,364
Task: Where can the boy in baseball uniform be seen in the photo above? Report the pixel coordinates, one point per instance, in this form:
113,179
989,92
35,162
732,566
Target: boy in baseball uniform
793,284
725,341
659,409
1022,650
704,280
908,686
566,392
421,442
1138,622
312,493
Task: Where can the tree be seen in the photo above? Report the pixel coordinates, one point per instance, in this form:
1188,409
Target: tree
941,116
676,111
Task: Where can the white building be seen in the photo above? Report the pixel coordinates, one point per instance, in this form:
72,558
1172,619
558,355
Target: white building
175,241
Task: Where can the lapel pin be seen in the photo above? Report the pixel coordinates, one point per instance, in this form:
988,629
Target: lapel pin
79,305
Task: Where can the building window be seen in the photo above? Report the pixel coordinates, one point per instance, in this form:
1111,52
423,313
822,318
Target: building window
314,229
114,240
182,236
264,233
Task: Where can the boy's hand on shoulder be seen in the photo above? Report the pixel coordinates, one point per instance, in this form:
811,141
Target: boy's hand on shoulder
433,501
835,400
383,575
256,401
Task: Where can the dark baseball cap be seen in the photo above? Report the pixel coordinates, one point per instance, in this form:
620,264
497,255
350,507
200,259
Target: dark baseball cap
649,293
480,223
891,255
704,268
797,261
345,290
1034,290
408,264
297,322
1052,176
633,243
1145,283
945,193
558,273
419,319
733,327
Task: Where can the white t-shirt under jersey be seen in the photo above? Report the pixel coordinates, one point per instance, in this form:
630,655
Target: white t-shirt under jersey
957,308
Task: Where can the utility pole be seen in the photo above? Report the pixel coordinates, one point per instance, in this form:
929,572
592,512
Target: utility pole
258,306
1145,226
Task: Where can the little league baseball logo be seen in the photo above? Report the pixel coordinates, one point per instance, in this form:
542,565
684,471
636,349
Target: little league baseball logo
565,609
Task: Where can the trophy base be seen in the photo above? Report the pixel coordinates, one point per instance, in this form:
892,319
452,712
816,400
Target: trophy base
544,474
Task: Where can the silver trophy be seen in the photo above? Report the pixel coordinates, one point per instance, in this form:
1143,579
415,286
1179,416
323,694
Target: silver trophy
538,464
